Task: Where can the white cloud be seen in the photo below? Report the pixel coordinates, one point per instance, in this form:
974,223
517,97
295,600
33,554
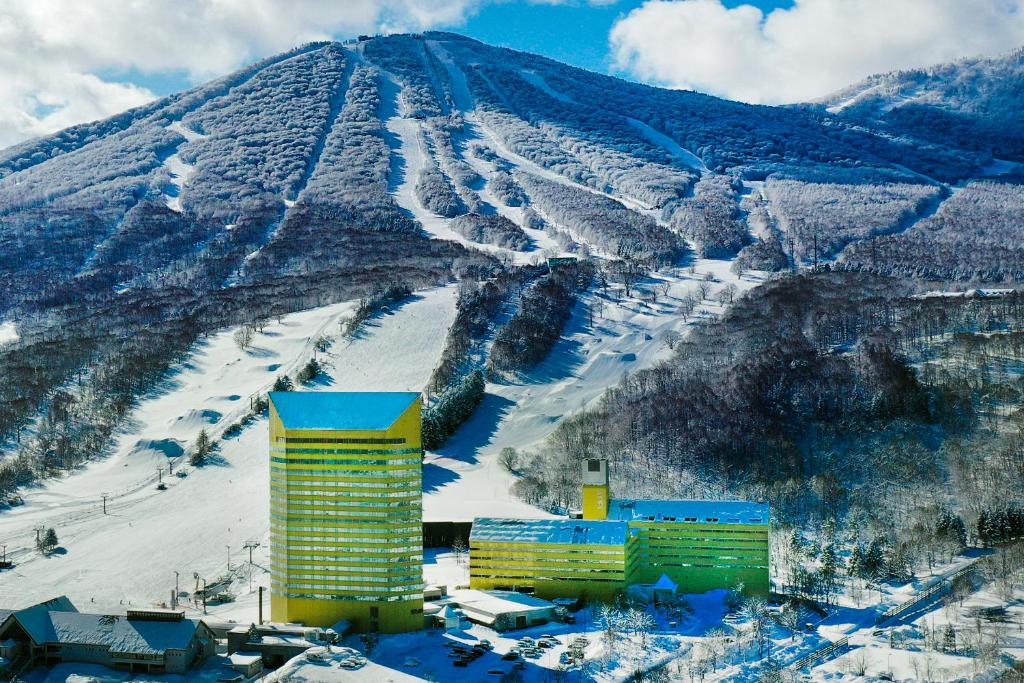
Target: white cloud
808,50
51,50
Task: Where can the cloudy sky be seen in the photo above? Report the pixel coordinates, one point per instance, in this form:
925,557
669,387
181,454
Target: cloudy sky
66,61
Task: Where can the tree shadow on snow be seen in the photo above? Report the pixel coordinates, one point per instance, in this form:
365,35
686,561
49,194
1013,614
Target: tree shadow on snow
477,432
435,476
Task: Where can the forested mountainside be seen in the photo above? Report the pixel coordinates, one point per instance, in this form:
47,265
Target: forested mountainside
972,103
342,171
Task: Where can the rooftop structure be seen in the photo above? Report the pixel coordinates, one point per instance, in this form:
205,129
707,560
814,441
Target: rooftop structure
342,410
710,511
560,531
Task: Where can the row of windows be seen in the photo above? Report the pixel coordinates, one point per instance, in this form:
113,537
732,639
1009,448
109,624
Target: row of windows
756,533
400,524
527,580
378,462
519,567
353,587
349,451
302,513
333,516
344,539
656,549
335,563
328,472
664,537
325,578
403,491
324,596
333,439
343,501
543,562
289,482
380,549
541,551
709,566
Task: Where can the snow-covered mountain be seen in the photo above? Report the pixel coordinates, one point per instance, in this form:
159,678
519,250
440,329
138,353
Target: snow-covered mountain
973,103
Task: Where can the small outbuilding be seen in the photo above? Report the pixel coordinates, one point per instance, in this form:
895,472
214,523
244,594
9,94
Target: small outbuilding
502,610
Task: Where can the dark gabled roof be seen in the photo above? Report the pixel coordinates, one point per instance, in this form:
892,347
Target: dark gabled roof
345,410
36,620
123,635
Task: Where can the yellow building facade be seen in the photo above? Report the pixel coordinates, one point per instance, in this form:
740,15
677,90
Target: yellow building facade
700,545
346,509
550,557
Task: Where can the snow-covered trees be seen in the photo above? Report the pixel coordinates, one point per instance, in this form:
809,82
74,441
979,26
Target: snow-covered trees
46,541
258,138
710,218
204,445
762,254
975,235
543,310
506,189
436,194
604,222
491,229
832,215
451,409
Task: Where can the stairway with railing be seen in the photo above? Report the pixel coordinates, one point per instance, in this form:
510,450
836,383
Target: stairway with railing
940,586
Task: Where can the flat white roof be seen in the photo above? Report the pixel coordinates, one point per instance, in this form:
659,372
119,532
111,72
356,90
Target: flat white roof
497,602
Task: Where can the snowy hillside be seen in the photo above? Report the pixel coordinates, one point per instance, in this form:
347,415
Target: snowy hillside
974,103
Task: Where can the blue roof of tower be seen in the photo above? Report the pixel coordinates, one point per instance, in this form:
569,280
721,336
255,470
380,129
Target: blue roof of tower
345,410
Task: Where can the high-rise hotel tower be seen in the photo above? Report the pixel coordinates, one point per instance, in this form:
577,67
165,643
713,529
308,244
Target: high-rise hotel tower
346,509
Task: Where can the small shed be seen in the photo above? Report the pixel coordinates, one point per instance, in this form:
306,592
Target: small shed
503,610
246,663
664,588
449,618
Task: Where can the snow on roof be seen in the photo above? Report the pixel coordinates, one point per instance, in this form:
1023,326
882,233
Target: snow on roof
117,633
36,619
494,603
721,511
244,658
370,410
563,531
665,584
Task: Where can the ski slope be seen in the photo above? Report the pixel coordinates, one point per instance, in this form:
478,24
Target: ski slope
129,556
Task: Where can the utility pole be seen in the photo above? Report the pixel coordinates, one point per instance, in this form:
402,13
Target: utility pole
170,466
204,596
229,556
174,603
261,605
104,503
159,475
251,545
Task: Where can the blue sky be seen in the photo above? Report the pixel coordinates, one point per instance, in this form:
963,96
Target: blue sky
573,32
67,61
